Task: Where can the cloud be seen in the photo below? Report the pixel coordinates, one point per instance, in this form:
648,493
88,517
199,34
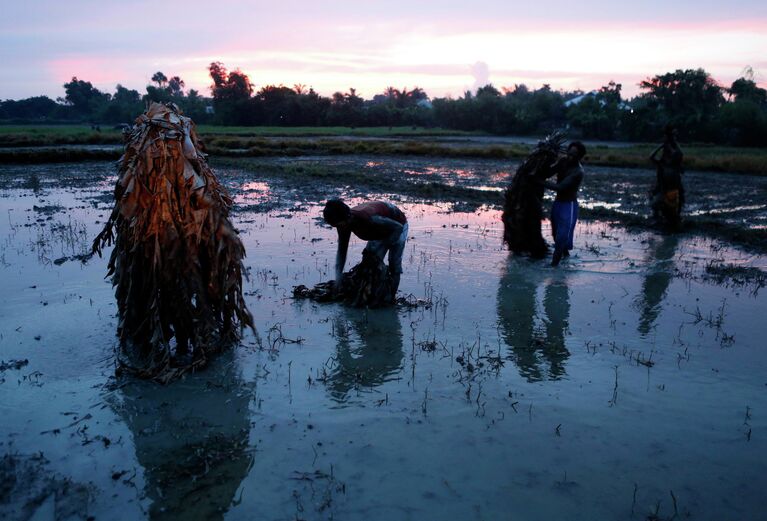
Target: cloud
481,73
332,47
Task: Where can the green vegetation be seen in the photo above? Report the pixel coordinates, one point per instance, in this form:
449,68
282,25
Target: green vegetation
211,130
701,108
299,141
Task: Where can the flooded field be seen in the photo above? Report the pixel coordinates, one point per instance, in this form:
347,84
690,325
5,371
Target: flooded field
630,383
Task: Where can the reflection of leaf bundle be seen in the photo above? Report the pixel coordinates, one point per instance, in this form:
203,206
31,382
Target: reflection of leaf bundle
177,260
368,284
522,209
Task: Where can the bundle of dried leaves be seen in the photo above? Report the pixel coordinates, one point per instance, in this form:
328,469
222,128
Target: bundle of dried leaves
177,260
368,284
523,206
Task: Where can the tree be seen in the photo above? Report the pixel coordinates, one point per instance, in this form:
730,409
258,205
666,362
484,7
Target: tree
227,85
83,97
598,115
488,90
176,86
688,98
231,95
159,78
744,89
35,108
124,106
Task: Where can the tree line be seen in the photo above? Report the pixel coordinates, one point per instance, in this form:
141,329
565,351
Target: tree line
702,108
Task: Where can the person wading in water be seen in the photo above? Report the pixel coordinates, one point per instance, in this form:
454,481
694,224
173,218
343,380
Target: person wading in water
382,224
667,196
564,212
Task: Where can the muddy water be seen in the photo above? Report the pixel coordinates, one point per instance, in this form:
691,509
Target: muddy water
622,383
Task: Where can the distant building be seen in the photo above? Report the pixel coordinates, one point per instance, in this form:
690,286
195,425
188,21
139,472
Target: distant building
577,99
424,104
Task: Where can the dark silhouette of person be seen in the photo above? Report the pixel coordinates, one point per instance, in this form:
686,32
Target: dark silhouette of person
523,200
369,361
533,346
667,196
657,279
564,211
382,224
191,437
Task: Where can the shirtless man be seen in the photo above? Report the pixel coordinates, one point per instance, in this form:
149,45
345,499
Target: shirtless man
382,224
564,211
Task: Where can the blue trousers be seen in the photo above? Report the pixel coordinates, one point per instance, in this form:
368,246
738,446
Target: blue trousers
563,219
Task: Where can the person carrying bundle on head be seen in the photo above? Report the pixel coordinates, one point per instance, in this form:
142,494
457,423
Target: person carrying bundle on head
667,196
380,223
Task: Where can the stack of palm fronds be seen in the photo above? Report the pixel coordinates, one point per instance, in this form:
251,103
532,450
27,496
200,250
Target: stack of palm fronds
368,284
177,260
523,205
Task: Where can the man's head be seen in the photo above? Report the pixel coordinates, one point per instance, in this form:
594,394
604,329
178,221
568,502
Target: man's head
670,131
336,212
576,151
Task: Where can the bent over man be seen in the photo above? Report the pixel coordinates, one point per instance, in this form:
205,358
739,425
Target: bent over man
382,224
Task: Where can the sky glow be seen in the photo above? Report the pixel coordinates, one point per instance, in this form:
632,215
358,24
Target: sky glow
444,47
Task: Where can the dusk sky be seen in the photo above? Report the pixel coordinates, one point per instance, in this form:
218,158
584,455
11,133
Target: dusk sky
444,47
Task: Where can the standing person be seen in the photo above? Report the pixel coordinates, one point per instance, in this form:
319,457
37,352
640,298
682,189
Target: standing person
564,212
667,197
382,224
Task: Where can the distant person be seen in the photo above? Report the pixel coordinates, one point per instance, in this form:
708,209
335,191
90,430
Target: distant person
382,224
564,211
667,196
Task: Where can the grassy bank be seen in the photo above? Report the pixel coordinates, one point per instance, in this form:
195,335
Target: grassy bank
211,130
47,135
396,141
700,157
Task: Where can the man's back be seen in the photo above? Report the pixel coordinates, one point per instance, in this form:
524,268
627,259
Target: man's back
370,219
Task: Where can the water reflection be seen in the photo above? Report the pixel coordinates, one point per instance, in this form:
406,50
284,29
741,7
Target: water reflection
534,333
369,350
191,438
660,255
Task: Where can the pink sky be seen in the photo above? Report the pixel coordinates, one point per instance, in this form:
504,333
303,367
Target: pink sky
444,47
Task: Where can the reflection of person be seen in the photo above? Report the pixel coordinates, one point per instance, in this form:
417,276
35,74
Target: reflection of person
564,211
382,224
667,196
517,307
656,282
378,355
192,439
556,304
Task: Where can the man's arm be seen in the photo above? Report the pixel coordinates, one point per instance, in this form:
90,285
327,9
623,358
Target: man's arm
653,157
566,183
343,247
391,228
551,169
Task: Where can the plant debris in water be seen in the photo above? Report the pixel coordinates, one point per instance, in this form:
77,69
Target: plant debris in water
368,284
177,260
523,200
